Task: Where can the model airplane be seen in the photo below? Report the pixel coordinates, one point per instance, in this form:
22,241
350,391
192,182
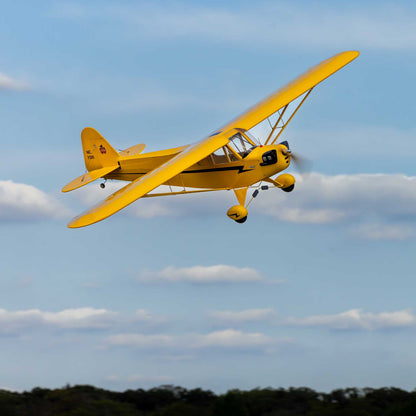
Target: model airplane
229,158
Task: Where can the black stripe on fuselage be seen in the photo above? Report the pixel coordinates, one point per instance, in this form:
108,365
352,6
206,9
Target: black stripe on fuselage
225,168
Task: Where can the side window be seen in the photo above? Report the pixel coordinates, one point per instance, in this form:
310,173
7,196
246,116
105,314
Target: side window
219,156
231,155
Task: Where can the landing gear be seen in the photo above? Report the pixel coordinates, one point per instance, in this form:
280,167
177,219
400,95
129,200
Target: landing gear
289,188
242,220
285,181
238,213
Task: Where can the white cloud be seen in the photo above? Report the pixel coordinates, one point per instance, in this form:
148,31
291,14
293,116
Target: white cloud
357,319
142,340
389,27
144,317
220,273
225,339
78,318
321,199
245,316
351,319
384,232
7,83
231,338
21,202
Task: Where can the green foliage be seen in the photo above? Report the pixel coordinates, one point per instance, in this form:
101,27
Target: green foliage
177,401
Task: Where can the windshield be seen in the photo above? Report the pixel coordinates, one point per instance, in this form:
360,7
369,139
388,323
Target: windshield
240,145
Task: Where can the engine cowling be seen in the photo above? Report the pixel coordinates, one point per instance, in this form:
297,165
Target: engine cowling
238,213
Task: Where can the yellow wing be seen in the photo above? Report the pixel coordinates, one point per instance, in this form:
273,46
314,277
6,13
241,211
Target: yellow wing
289,92
141,186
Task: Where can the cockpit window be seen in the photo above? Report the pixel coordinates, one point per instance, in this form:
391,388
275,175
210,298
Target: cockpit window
240,145
219,156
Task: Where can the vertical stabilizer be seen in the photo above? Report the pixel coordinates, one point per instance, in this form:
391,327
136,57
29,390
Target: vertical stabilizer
98,153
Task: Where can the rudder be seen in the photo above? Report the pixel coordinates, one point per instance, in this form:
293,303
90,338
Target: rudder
98,153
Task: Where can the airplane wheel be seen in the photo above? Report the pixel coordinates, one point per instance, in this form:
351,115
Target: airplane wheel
241,220
102,185
289,188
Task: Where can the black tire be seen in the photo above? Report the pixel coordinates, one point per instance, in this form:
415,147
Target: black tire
289,188
241,220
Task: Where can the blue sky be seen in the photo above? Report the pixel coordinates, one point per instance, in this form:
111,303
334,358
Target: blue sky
315,289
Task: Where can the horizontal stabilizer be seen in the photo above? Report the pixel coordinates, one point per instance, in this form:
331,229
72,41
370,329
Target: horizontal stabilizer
88,177
133,150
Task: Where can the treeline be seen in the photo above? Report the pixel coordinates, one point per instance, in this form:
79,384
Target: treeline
177,401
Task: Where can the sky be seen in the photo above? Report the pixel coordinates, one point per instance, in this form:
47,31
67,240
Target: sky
317,287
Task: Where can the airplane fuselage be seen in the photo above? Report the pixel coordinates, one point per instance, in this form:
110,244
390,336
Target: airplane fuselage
213,172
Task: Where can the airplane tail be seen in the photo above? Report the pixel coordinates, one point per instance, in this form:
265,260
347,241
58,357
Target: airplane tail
98,153
99,156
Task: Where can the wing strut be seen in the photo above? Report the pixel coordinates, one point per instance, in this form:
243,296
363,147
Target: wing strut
277,123
289,119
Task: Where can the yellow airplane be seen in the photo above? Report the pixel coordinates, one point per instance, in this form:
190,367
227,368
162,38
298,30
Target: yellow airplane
229,158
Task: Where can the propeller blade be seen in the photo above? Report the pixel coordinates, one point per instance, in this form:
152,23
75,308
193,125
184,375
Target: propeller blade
302,164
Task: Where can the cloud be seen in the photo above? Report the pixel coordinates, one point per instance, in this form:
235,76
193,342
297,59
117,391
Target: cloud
389,27
220,273
21,202
357,319
225,339
240,317
79,318
7,83
145,318
323,199
142,340
231,338
351,319
384,232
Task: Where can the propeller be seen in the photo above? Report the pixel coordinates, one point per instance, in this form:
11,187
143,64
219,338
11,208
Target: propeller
302,164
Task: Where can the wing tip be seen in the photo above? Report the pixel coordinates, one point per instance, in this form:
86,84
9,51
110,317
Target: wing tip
352,54
81,221
75,223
